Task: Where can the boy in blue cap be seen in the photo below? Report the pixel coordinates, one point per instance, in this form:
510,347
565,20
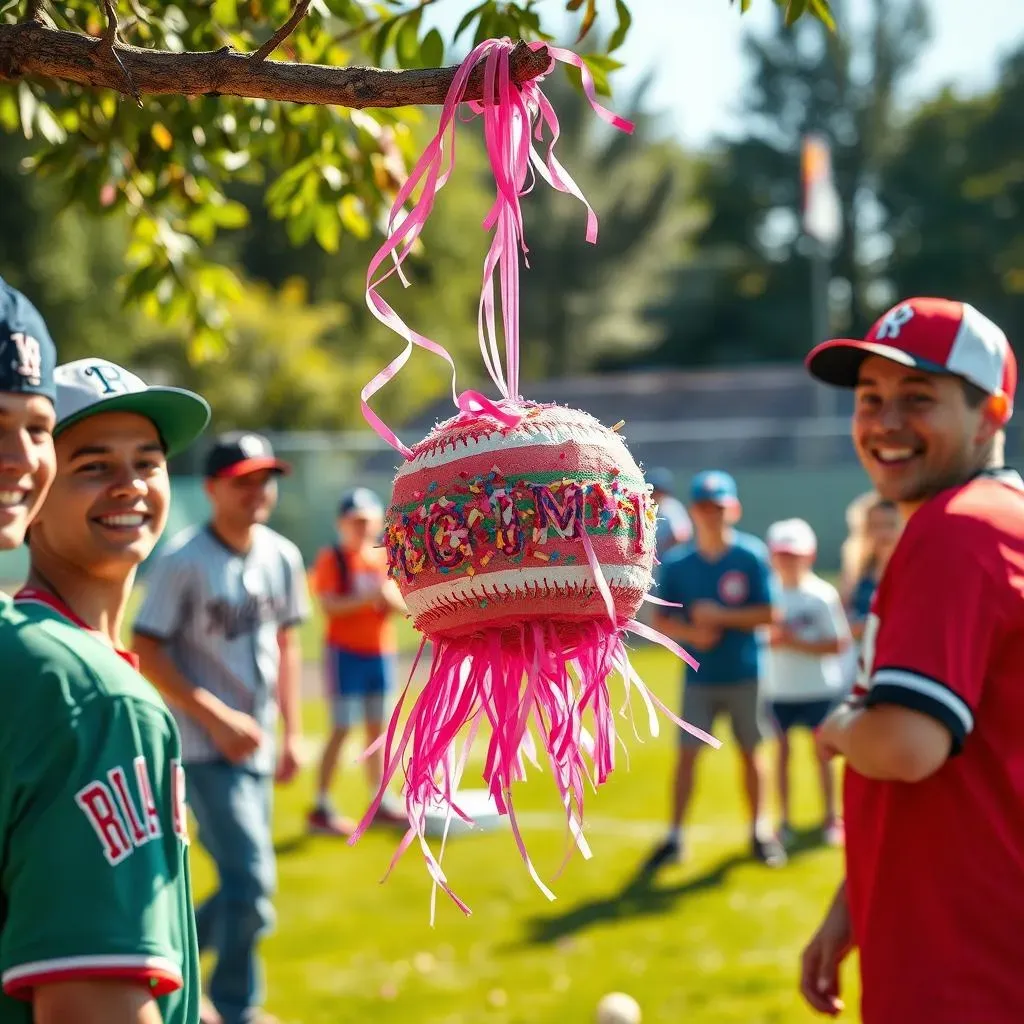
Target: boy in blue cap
724,582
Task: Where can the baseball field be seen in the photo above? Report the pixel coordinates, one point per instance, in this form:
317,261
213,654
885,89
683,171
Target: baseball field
715,940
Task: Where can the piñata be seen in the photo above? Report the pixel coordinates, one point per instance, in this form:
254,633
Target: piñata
521,535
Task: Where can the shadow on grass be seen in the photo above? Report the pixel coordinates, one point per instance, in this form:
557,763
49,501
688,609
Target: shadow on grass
293,844
642,896
297,843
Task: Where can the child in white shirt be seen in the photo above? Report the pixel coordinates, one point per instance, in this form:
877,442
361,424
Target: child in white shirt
804,678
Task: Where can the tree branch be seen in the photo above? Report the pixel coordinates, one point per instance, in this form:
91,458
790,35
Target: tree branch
35,51
109,44
301,9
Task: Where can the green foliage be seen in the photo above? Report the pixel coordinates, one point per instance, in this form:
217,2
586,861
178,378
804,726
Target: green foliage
581,302
953,188
167,167
748,296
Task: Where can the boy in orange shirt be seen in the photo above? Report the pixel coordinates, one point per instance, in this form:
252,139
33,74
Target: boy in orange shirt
359,602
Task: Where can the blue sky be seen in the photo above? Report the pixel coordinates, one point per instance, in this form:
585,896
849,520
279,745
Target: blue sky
694,48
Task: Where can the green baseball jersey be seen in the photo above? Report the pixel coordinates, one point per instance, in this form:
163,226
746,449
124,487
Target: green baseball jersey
94,869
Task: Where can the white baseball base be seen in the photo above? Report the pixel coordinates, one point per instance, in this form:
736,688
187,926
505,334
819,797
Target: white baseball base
476,803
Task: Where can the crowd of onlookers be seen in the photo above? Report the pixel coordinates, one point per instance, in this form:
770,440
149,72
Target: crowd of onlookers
778,644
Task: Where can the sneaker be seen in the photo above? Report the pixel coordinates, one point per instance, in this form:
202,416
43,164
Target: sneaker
320,822
669,852
768,851
834,833
391,812
785,836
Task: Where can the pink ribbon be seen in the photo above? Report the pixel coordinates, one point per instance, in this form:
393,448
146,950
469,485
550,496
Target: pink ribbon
508,111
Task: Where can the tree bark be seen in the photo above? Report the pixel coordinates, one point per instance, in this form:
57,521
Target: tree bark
32,50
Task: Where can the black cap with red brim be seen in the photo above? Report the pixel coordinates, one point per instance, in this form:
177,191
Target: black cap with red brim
241,452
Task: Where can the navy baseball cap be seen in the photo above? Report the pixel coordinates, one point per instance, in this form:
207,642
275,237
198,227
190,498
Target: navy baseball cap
361,501
28,355
90,387
715,486
241,451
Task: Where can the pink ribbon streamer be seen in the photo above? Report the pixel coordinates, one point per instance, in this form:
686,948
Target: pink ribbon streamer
508,111
535,685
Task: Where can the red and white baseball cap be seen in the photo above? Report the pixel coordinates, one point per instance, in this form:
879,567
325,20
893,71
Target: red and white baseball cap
935,335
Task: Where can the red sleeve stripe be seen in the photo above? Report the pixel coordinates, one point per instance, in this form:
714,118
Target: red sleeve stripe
158,973
908,689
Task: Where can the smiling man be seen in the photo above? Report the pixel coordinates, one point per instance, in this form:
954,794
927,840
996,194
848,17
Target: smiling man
218,634
934,784
96,921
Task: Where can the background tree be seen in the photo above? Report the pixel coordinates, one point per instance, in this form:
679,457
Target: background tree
213,109
953,192
747,297
582,301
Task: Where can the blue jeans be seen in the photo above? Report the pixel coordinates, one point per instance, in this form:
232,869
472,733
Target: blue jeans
232,808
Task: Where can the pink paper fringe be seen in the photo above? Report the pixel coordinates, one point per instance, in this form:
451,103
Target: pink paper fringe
540,681
525,684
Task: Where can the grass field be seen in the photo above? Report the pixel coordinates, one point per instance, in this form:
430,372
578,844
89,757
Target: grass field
713,941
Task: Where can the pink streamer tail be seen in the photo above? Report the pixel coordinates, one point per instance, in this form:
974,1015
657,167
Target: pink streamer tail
533,692
514,117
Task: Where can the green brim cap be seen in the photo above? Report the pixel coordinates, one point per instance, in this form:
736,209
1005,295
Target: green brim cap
90,387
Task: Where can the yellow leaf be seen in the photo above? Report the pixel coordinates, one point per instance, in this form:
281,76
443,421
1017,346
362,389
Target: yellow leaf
161,136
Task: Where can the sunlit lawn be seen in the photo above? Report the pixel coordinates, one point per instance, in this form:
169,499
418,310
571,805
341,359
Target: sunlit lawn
714,940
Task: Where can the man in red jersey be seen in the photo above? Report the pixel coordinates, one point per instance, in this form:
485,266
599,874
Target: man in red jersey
934,788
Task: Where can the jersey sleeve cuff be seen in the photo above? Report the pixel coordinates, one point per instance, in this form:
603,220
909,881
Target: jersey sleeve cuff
159,974
912,690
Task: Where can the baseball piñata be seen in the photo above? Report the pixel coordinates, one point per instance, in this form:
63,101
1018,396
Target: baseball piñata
521,535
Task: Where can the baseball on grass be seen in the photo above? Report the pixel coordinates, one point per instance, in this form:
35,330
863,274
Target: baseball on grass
618,1008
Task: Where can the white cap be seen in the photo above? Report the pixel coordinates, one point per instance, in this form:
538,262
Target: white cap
88,387
792,537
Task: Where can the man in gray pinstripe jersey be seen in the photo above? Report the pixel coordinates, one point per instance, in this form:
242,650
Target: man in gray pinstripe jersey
217,634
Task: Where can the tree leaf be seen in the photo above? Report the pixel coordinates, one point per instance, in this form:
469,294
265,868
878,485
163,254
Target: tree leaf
353,216
225,13
625,21
432,49
823,12
161,136
588,20
407,43
794,9
229,214
328,228
27,104
468,18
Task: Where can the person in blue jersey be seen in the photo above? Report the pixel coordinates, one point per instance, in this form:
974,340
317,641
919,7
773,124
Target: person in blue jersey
724,582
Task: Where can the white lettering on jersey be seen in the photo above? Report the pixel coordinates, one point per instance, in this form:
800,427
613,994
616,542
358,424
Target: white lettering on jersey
114,812
119,783
97,803
149,811
178,796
